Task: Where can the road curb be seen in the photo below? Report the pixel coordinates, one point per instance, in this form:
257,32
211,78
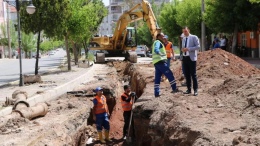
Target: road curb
52,93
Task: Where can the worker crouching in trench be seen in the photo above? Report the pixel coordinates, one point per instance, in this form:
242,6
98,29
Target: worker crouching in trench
101,115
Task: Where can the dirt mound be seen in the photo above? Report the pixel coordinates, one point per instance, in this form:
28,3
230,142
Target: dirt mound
218,63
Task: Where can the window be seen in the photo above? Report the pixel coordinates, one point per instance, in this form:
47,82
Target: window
115,17
243,39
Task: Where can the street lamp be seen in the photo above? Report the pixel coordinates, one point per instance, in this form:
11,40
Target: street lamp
30,9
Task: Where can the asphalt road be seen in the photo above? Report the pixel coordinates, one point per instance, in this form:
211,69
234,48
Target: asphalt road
10,68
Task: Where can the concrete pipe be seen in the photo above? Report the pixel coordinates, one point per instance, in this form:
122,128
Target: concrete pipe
16,92
20,101
15,96
38,110
32,79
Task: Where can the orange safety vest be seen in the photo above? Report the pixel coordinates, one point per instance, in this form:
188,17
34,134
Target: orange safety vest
127,106
168,50
101,105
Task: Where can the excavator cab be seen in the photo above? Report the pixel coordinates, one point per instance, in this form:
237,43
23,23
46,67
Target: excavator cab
131,39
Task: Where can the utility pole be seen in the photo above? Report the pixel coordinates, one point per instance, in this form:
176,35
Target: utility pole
203,32
8,33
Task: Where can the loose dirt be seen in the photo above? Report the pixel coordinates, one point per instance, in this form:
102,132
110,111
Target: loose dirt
226,111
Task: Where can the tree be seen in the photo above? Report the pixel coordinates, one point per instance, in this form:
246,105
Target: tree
84,21
232,16
168,21
28,43
254,1
189,14
50,17
13,36
144,35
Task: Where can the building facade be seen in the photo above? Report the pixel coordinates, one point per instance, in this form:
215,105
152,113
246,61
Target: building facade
249,43
115,9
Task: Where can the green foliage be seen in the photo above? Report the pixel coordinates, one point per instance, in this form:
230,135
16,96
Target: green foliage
144,35
189,14
254,1
90,57
28,42
143,32
223,15
13,35
50,16
85,18
169,23
46,46
50,45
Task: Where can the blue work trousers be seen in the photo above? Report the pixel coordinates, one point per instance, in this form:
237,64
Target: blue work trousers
102,121
169,62
162,68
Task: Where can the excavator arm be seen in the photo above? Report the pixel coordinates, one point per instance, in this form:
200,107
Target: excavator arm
124,37
141,11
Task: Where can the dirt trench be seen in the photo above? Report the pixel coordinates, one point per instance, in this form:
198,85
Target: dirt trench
226,112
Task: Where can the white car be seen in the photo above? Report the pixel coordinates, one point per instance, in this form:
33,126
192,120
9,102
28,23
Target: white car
51,52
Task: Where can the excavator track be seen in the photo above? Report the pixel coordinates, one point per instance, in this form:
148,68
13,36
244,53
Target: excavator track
132,57
100,57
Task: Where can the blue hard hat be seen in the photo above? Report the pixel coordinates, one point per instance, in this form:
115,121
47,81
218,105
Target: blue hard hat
98,89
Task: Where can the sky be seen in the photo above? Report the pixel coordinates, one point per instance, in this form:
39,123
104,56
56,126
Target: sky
106,2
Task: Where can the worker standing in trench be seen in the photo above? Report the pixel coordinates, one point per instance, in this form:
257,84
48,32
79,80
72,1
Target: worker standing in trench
101,114
127,99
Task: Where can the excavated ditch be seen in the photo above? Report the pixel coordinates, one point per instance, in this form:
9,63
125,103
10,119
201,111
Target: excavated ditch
218,116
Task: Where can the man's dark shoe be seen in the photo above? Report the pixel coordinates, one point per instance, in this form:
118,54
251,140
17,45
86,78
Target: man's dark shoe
156,96
175,91
187,92
195,92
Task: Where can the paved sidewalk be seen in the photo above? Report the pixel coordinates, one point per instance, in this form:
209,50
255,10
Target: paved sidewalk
55,83
254,61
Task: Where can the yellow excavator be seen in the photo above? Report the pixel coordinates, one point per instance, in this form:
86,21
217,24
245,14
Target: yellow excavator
124,37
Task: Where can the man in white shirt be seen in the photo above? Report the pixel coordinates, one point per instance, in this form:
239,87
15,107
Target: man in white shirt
190,47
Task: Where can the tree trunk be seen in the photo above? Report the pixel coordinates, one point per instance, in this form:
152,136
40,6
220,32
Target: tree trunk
75,52
86,51
68,51
26,54
37,53
234,41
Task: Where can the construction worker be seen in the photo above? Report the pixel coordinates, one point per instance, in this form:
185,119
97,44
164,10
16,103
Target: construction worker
159,60
127,99
101,114
169,50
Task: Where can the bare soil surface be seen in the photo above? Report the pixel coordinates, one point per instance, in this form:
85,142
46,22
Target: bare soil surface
226,111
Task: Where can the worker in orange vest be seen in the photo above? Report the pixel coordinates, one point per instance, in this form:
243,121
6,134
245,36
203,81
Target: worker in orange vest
101,114
127,99
169,50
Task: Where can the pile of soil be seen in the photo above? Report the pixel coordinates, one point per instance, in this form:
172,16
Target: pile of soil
226,111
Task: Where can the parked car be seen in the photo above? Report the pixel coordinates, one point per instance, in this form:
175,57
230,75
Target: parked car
149,54
141,51
34,55
51,53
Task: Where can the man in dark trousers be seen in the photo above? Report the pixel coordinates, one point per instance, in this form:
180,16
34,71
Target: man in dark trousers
127,100
190,47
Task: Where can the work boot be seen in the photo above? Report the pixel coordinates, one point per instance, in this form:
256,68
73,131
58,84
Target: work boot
101,137
107,136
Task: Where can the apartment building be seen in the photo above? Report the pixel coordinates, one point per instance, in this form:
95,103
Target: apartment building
115,9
